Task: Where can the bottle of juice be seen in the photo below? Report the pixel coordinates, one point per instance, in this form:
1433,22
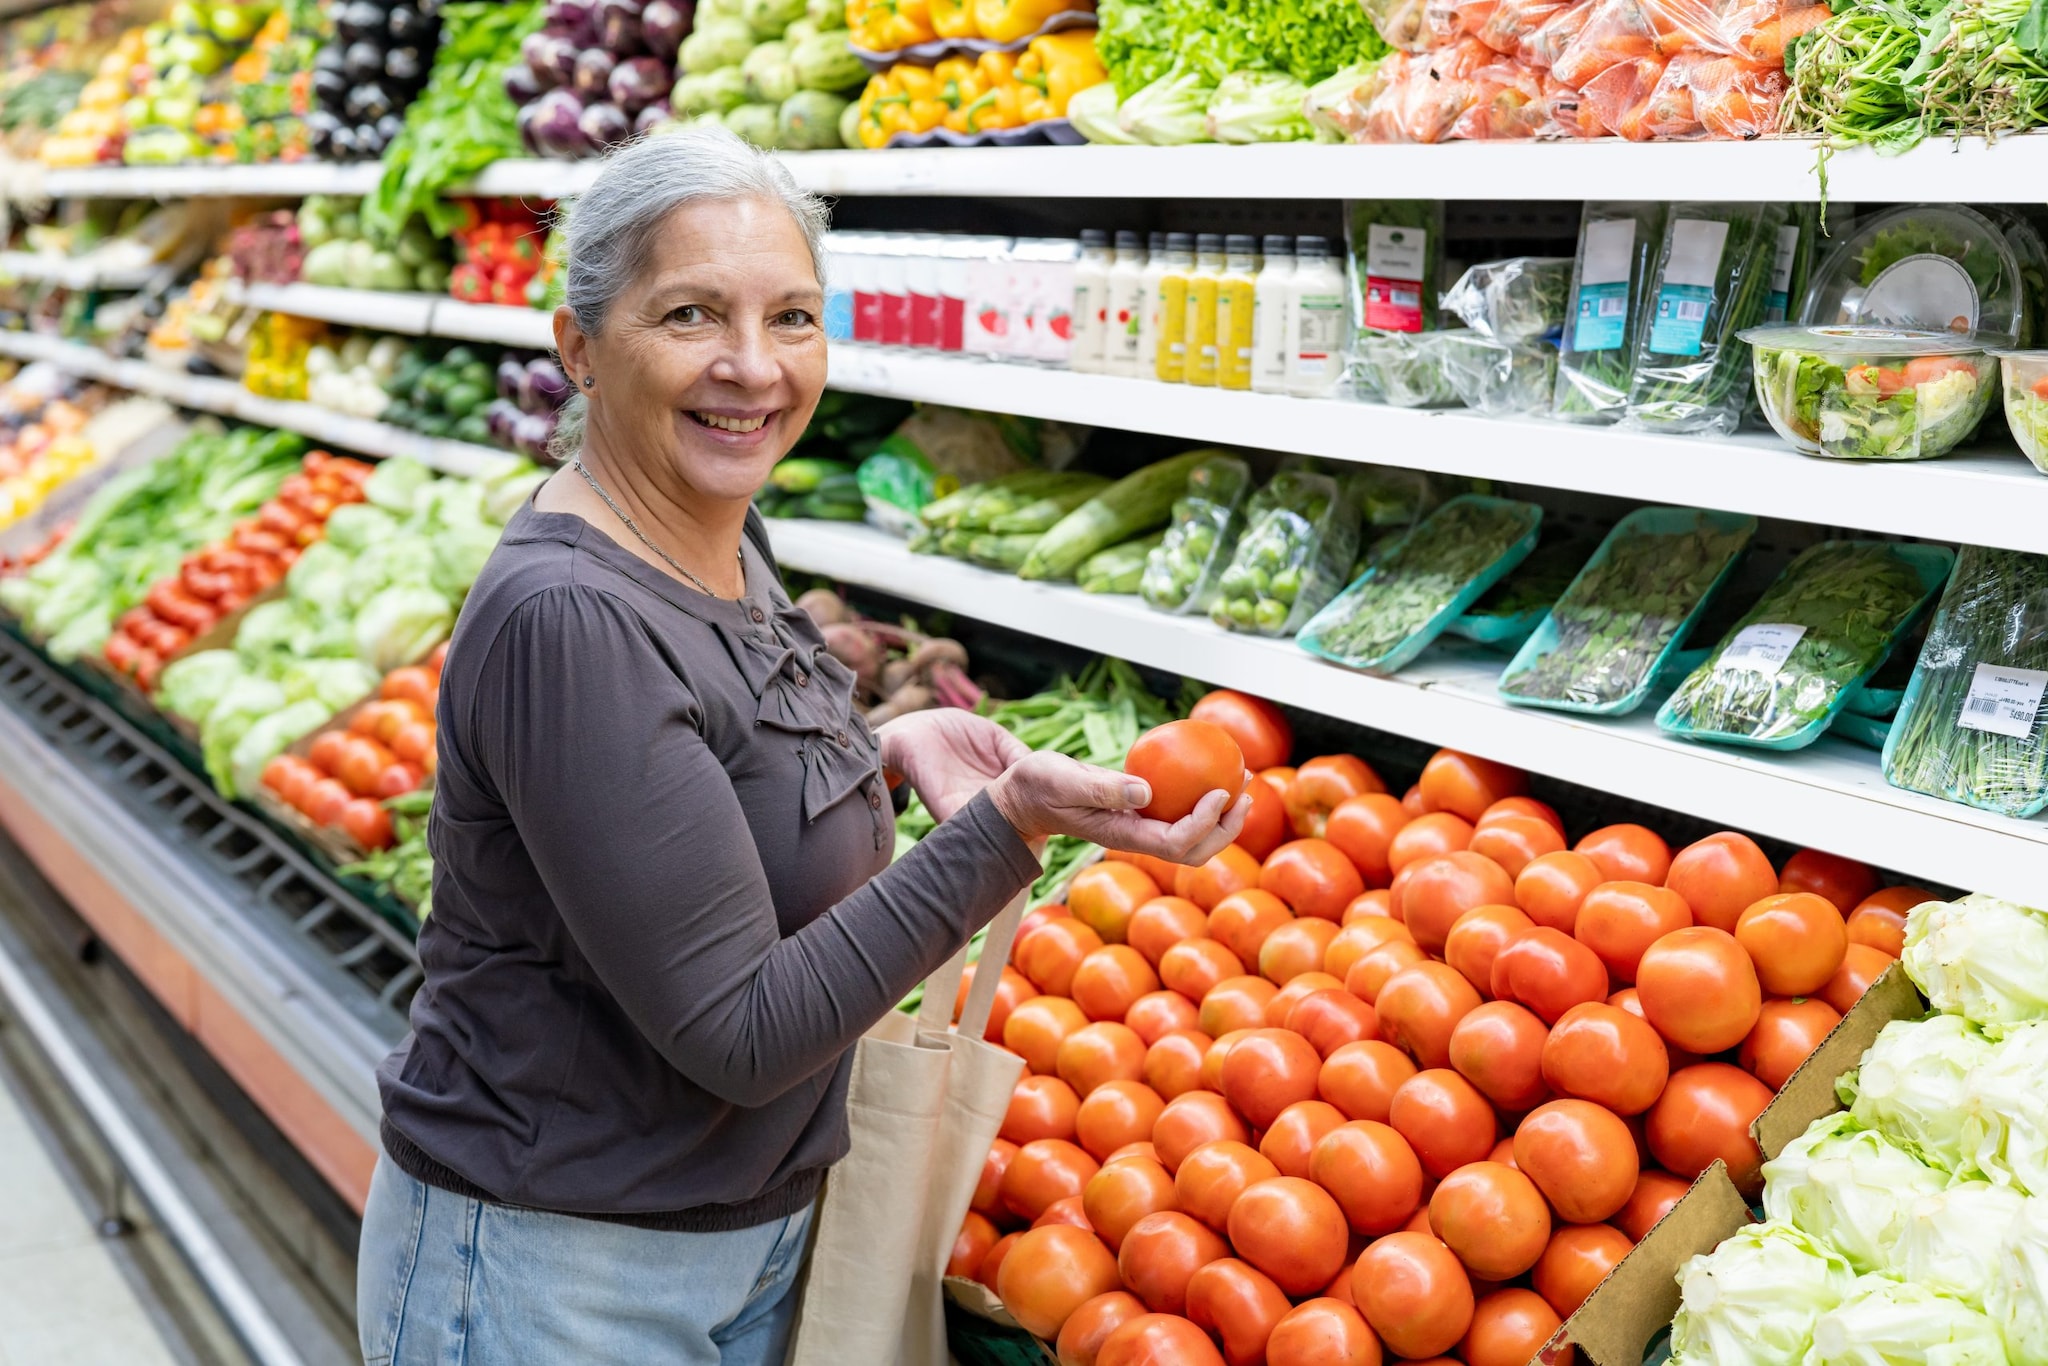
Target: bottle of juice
1170,307
1091,301
1127,303
1272,326
1201,357
1236,310
1322,320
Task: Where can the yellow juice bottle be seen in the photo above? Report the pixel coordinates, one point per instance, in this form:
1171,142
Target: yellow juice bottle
1201,310
1235,299
1171,308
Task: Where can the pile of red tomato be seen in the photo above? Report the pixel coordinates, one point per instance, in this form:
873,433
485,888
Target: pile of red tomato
387,750
1390,1077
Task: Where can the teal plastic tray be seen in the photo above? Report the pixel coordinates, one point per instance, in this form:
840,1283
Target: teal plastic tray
1401,655
1864,730
1879,703
1931,562
1653,521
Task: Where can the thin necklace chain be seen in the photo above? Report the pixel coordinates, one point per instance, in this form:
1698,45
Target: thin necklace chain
634,527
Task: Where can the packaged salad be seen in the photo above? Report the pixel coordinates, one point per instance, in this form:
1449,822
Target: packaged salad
1407,371
1181,572
1434,573
1521,299
1974,724
1506,614
1300,536
1628,612
1941,267
1605,309
1872,393
1712,278
1778,678
1500,379
1396,251
2026,402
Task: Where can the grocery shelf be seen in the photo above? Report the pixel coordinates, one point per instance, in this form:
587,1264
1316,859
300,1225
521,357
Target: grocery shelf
532,329
1992,498
73,273
230,399
273,179
402,313
1831,796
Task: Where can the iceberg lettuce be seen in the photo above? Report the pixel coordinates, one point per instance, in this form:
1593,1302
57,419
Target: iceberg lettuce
189,687
1847,1186
355,527
395,482
1756,1298
2017,1297
1981,958
1914,1087
1952,1239
1887,1323
267,739
400,625
2008,1110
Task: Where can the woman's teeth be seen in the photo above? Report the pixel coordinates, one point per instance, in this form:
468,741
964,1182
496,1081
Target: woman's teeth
732,424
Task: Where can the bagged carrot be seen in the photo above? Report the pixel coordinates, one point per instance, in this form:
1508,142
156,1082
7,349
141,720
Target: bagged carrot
1539,48
1620,97
1512,21
1566,113
1507,103
1738,99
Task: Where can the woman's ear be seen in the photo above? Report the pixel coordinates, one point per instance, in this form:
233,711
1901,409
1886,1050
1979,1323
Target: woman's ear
573,347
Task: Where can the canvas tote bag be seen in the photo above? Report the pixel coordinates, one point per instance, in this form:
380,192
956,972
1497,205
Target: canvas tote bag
923,1105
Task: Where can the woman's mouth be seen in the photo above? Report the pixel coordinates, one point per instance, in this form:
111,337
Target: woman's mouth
730,423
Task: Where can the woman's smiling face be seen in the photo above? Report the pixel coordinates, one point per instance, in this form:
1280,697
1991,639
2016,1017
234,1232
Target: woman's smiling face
712,359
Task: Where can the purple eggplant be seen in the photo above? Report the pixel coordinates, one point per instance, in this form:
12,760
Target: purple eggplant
651,118
619,26
551,58
594,67
530,433
500,416
639,82
556,126
604,124
510,376
570,14
521,85
663,24
546,387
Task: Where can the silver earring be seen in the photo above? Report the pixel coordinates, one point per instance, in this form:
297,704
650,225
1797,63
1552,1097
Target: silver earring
590,381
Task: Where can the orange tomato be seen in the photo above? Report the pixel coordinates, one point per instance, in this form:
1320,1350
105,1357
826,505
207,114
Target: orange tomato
1509,1328
1292,1230
1109,981
1492,1217
1445,1120
1720,877
1331,1018
1212,1177
1087,1328
1142,1149
1581,1156
1104,896
1269,1070
1602,1053
1360,937
1313,877
1655,1193
977,1235
1282,1003
1034,920
1265,823
1067,1210
1412,803
1053,952
1184,761
1786,1034
1515,841
1212,1061
1420,1006
327,751
1233,870
1363,827
1861,965
1466,785
1427,836
1372,1174
1159,870
1842,881
1476,939
1577,1260
1158,1013
1294,948
1279,777
1369,974
1115,1115
1499,1049
1045,1170
411,683
1190,1120
1699,989
1037,1028
1237,1304
1524,806
1551,888
1193,967
1705,1113
1879,920
1327,1331
1361,1078
1441,889
1321,785
1619,920
1012,991
1050,1273
1161,1253
1242,920
1040,1107
1173,1064
1628,853
992,1265
1158,1340
1548,972
1236,1003
1414,1292
1161,923
1377,903
1260,729
988,1191
1795,939
1099,1053
1295,1133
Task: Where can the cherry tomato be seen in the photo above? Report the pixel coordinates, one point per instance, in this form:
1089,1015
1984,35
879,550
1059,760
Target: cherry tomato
1655,1193
1363,827
1242,920
1550,889
1194,967
1045,1170
367,823
1514,841
1419,1007
1190,1120
1361,1078
1158,1340
1267,1071
1359,938
1067,1210
1212,1177
1161,923
1233,870
1628,853
1087,1328
1236,1003
1012,990
1050,1272
1841,881
1509,1328
1109,981
1441,889
1294,948
1122,1193
1861,965
1699,989
988,1201
1158,1013
1577,1260
1581,1156
1260,729
1116,1114
1161,1252
1786,1034
1283,1002
1265,822
1492,1217
1466,785
992,1265
1618,920
1476,939
977,1235
1323,1332
1184,761
1239,1305
1292,1136
1173,1064
1097,1054
1331,1018
1104,896
1053,951
1040,1107
1292,1230
1720,877
1549,972
1499,1047
1037,1028
1321,785
1604,1054
1414,1292
1796,940
1705,1113
1445,1120
1428,836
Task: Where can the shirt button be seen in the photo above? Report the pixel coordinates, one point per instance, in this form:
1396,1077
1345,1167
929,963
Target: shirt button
803,680
841,738
875,800
757,615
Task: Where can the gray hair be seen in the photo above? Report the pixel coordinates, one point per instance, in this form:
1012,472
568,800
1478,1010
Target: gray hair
611,229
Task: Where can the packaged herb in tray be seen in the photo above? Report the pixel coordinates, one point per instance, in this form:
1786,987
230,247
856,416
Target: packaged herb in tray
1521,299
1506,614
1973,727
1437,570
1712,280
1778,678
1606,308
1628,612
1300,536
1181,572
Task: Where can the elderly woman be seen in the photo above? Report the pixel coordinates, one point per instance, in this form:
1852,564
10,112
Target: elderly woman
663,904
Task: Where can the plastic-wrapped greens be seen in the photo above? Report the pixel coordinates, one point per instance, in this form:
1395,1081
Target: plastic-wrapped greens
1119,568
1500,379
1713,276
1506,614
1298,544
1606,308
1521,299
1782,673
1438,570
1396,251
1181,572
1407,371
1974,724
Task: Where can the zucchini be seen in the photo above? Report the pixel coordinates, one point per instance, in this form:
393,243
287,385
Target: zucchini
1129,508
1050,488
948,511
1043,514
1001,552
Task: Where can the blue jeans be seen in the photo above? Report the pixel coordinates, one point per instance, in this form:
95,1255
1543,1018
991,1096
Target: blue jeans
442,1280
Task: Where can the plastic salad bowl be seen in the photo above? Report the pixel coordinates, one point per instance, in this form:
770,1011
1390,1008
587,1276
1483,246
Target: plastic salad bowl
1872,393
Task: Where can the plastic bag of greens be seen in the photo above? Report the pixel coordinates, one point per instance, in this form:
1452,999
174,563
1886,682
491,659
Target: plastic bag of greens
1406,370
1973,727
1395,249
1180,573
1119,568
1506,614
1500,379
1713,275
1389,497
1521,299
1299,540
1605,308
1439,569
1628,611
1782,673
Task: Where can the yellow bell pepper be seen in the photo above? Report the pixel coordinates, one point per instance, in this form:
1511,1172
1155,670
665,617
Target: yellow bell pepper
994,108
955,19
885,25
1058,67
1005,21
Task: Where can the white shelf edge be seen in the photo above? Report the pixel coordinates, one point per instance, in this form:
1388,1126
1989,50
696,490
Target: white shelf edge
1831,796
412,315
529,328
73,273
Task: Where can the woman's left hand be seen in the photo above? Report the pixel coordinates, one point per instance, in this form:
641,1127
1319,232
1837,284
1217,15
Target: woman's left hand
948,755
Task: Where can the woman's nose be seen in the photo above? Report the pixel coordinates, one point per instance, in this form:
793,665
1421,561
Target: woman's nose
748,360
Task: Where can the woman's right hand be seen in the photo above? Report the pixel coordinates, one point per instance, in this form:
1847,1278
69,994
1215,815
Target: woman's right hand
1050,794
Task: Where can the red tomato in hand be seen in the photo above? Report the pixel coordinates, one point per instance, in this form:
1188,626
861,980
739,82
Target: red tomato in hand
1414,1293
1363,827
1160,1253
1238,1304
1843,882
1260,729
1445,1120
1419,1007
1581,1156
1577,1260
1088,1327
1360,1078
1551,888
1549,972
1466,785
1619,920
1492,1217
1509,1327
1628,853
1184,761
1441,889
1477,937
1050,1272
1705,1113
1604,1054
1796,940
1323,1332
1699,989
1499,1048
1372,1174
1720,877
1321,785
1292,1230
1190,1120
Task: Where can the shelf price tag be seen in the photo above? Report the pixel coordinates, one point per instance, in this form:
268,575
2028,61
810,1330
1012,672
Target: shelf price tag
1686,295
1763,648
2004,700
1602,321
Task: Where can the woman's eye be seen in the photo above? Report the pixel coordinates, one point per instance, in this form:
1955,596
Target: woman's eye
795,317
688,313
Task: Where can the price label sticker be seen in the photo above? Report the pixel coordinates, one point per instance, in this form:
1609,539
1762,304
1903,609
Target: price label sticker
1763,648
2004,700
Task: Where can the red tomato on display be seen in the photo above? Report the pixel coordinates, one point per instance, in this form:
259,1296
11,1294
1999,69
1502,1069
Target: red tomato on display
1012,991
1329,1019
1549,972
1363,827
1414,1293
1619,920
1292,1230
1184,761
1550,889
1720,877
1419,1007
1428,836
1233,870
1492,1217
1050,1272
1602,1053
1879,920
1040,1107
1843,882
1372,1174
1655,1193
1212,1177
1236,1003
977,1235
1267,1071
1508,1328
1260,729
1577,1260
1628,853
1705,1113
1097,1054
1053,951
1086,1329
1159,1255
1104,896
1360,1078
1158,1340
1476,939
1042,1171
1323,1332
1373,969
1161,923
1294,1135
1109,981
1786,1034
1158,1013
1294,948
1239,1305
1323,784
1265,823
1194,967
1445,1120
1360,936
1699,989
1581,1156
1861,965
1124,1192
1313,877
1443,888
1467,785
1173,1064
1499,1048
1242,920
1796,940
1190,1120
1515,841
1116,1115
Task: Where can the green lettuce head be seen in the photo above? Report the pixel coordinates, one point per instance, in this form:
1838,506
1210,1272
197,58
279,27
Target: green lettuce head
1756,1298
1889,1323
1848,1186
1914,1085
1981,958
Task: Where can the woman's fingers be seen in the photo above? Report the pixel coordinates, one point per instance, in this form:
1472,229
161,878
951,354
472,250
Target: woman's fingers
1194,839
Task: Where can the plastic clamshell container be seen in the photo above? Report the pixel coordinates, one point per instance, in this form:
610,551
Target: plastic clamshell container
1872,393
2026,402
1674,661
1404,653
1935,266
1931,562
